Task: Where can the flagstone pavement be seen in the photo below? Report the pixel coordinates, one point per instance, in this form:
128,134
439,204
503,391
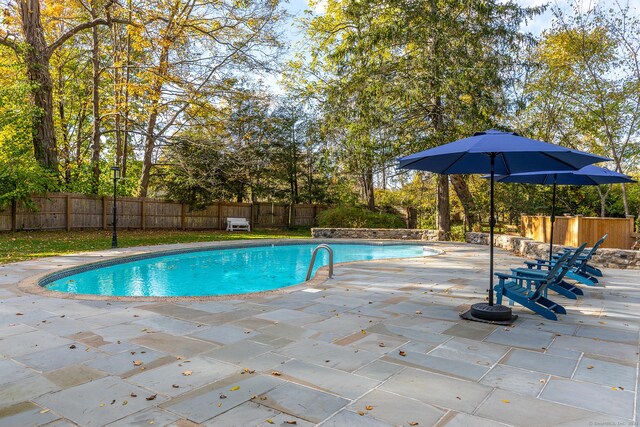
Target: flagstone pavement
380,344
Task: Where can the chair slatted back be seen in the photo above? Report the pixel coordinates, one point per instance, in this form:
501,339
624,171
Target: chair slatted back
553,271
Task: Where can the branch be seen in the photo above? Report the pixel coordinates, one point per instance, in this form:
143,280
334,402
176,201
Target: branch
75,30
5,40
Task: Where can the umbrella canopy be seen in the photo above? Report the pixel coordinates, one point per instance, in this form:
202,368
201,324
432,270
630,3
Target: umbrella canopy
588,175
513,154
504,153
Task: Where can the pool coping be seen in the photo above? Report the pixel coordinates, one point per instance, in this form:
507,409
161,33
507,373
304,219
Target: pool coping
33,284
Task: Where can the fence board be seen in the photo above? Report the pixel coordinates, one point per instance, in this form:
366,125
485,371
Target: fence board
62,211
573,231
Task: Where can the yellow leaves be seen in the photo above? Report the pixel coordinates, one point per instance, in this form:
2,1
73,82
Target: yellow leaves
506,401
235,388
368,407
187,373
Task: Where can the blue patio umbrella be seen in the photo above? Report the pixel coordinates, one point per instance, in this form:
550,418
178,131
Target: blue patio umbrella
588,175
502,153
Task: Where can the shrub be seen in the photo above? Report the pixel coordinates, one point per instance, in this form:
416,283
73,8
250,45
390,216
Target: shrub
358,218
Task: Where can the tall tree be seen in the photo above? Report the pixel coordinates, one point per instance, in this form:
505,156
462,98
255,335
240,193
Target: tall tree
194,48
587,81
31,43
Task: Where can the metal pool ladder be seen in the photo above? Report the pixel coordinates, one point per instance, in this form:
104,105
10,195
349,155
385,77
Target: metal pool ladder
313,259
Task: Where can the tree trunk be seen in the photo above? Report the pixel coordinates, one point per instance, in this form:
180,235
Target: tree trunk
150,138
37,58
147,160
603,200
466,199
444,219
369,190
95,91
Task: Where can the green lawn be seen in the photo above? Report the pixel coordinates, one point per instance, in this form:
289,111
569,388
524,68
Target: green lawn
36,244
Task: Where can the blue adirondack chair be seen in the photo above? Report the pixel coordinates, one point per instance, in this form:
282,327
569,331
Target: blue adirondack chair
519,289
588,268
557,284
579,272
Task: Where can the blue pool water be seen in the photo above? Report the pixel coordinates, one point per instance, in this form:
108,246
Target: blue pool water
220,272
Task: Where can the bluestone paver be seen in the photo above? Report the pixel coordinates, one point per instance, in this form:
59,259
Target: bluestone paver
320,354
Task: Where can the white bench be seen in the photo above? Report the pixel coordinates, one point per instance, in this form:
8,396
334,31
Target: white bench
234,224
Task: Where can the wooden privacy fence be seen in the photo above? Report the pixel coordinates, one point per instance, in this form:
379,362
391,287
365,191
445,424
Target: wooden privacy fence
575,230
64,211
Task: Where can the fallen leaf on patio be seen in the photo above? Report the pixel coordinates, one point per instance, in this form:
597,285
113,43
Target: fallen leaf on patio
413,423
152,422
152,397
101,405
614,388
361,413
124,402
263,397
137,363
19,314
87,349
44,411
234,388
132,352
363,331
458,397
506,401
175,386
187,373
246,331
276,373
381,344
134,395
590,367
402,353
368,407
223,396
113,401
144,330
179,358
418,312
621,388
543,381
602,323
142,368
72,346
291,422
270,421
219,404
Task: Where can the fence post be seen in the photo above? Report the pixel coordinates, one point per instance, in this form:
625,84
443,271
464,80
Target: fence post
183,214
104,212
14,215
252,221
219,215
68,212
143,214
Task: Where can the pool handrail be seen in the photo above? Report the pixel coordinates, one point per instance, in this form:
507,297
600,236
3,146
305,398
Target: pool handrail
313,260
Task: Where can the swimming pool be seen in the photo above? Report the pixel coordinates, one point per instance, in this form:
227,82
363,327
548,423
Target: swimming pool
217,271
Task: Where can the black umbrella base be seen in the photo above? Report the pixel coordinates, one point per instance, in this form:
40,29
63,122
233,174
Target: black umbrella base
495,314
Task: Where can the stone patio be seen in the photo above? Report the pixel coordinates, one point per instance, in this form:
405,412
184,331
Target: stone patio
381,344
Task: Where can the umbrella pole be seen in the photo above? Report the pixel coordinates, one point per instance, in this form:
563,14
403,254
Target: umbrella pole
553,215
491,225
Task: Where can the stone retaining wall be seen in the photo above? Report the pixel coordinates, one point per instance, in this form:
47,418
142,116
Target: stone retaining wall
604,257
376,233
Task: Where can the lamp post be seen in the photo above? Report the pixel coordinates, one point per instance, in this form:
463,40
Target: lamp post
116,175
